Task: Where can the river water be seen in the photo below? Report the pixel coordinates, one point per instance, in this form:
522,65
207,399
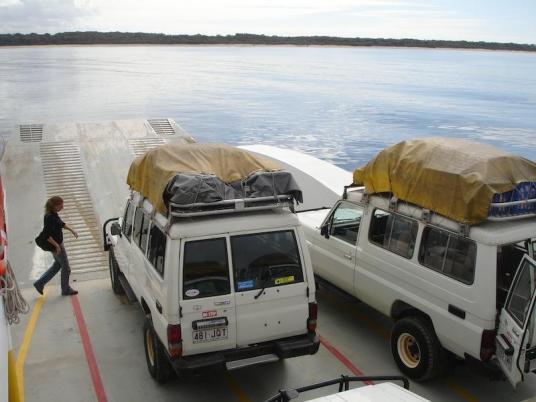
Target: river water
336,103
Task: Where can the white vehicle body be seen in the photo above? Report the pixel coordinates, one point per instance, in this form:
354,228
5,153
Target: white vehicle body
465,295
386,391
202,277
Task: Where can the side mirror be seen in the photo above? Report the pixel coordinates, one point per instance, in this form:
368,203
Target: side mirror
324,230
115,229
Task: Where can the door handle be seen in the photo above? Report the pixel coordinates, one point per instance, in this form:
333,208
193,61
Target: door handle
159,307
514,330
506,345
222,302
458,312
348,256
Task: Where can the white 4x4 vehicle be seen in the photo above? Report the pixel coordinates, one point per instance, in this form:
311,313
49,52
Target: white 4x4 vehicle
223,284
466,289
444,289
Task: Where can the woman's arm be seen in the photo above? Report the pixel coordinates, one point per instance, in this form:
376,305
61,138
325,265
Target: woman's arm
70,229
55,244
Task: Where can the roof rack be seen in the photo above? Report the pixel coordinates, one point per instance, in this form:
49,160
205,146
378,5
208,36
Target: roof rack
510,218
231,206
512,210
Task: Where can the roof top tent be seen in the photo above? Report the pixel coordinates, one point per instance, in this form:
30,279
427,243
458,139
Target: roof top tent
84,163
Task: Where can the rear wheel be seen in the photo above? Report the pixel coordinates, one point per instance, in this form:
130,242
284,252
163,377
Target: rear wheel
416,349
155,355
114,274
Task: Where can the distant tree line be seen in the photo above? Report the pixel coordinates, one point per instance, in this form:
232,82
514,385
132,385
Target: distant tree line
128,38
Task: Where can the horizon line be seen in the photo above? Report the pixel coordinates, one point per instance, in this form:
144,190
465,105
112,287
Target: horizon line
270,36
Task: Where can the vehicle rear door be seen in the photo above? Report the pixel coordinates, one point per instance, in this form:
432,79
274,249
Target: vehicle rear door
207,303
270,286
516,337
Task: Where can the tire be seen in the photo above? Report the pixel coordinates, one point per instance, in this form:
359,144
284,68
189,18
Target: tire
157,362
416,349
114,274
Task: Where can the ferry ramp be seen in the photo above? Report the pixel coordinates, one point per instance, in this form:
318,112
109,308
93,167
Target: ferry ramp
84,163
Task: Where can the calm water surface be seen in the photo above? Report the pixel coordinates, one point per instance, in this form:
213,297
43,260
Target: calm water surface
340,104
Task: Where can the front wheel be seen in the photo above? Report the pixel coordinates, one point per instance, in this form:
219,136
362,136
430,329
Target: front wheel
416,349
114,274
155,355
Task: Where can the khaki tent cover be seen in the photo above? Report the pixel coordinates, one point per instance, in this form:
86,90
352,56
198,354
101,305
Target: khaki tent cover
150,173
456,178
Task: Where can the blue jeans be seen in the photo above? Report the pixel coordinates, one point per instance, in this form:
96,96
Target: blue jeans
60,262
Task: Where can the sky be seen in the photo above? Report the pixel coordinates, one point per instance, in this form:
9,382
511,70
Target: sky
472,20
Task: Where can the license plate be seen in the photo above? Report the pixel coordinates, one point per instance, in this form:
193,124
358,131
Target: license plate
209,335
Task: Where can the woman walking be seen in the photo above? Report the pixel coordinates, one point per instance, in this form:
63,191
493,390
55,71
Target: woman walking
53,229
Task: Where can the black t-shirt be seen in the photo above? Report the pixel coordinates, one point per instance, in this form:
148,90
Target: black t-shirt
52,226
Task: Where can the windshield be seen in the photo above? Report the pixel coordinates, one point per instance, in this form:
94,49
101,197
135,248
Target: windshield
263,260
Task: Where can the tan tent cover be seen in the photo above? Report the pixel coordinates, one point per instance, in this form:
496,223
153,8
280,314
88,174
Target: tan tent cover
150,173
456,178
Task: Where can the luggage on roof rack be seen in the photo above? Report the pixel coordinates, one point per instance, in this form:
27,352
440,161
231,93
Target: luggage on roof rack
463,180
515,204
202,179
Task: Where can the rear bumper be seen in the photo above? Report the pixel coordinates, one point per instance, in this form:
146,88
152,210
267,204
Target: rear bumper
284,348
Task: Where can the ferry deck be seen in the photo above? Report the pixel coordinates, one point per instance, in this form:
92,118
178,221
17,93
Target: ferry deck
89,347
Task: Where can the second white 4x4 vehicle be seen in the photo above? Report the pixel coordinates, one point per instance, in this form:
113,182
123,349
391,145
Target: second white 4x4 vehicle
439,234
216,258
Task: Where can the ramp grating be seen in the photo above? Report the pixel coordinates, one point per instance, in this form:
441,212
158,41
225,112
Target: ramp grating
141,145
31,132
64,176
161,126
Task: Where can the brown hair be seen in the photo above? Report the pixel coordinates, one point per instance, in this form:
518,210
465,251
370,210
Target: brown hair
52,203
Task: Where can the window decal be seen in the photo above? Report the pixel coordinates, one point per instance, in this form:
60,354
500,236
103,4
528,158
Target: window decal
246,284
288,279
192,292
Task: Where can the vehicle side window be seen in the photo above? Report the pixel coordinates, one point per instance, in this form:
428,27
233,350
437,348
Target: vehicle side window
264,260
156,251
205,269
345,222
393,232
127,220
138,220
144,233
448,253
